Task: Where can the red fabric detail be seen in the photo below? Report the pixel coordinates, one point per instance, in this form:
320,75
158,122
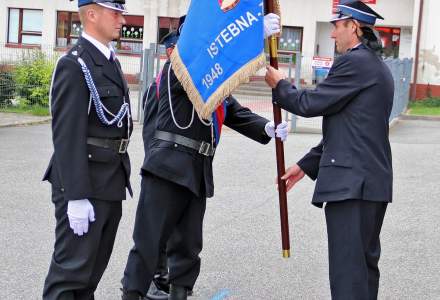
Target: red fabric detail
220,117
158,84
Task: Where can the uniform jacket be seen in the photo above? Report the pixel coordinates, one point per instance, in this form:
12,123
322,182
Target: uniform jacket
182,165
353,160
78,169
150,103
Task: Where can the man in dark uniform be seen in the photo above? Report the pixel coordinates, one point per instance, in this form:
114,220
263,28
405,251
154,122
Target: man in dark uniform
151,97
352,164
90,168
176,180
159,287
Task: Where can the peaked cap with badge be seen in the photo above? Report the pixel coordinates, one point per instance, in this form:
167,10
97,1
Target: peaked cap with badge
359,11
118,5
356,10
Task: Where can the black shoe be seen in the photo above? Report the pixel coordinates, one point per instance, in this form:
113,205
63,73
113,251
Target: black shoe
131,295
162,283
155,293
178,292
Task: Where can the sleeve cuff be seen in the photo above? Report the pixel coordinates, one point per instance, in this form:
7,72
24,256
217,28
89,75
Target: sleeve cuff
281,91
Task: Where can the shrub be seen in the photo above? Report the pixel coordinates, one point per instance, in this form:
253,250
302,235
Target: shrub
32,77
7,88
428,102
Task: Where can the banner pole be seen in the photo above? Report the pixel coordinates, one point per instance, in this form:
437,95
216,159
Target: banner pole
273,51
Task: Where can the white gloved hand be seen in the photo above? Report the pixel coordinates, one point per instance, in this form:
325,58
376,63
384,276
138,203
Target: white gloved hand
80,212
271,25
282,130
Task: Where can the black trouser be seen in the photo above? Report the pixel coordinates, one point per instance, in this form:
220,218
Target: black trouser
78,262
162,264
353,229
161,279
165,209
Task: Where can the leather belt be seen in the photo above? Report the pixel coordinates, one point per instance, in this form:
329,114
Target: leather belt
201,147
119,146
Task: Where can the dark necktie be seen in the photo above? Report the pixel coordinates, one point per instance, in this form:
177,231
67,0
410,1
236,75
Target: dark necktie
112,56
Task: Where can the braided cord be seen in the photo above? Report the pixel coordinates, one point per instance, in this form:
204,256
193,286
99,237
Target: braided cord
100,108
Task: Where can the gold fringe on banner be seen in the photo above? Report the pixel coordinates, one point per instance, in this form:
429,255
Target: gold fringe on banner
203,109
185,80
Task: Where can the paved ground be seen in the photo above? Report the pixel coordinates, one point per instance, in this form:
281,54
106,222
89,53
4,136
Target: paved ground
241,257
12,119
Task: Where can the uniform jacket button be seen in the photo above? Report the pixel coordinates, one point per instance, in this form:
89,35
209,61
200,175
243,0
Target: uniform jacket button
62,190
175,145
90,156
333,160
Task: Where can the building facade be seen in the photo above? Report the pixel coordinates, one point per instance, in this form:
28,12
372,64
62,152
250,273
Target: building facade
428,71
55,24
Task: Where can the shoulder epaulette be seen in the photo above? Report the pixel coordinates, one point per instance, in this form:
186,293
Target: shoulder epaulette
75,52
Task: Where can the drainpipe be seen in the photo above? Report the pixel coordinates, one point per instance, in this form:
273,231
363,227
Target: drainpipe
416,58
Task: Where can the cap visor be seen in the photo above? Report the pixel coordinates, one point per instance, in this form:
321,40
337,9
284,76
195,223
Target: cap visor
339,18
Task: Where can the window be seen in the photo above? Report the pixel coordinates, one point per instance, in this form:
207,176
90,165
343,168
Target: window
132,35
291,39
166,25
25,26
390,41
69,28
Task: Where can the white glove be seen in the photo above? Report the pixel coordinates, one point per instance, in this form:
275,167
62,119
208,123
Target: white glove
271,25
80,212
282,130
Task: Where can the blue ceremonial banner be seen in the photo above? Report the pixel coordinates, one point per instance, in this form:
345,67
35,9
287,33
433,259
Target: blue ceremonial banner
220,46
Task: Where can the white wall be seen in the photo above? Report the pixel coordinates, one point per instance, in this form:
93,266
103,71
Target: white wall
49,16
307,13
295,13
300,13
130,64
429,59
50,8
164,8
3,22
314,15
326,44
397,13
311,15
405,42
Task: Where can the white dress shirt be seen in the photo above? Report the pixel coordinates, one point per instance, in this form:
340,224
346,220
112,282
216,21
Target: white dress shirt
106,50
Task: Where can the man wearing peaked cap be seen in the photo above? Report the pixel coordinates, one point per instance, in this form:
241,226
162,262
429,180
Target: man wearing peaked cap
159,287
352,163
90,168
118,5
177,178
365,18
357,10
